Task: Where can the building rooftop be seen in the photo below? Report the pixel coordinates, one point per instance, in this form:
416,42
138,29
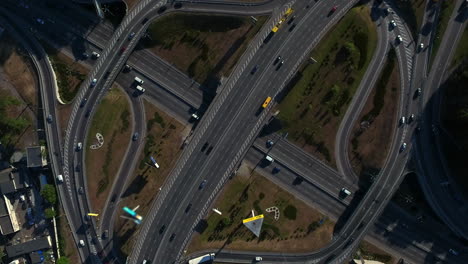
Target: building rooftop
28,247
35,157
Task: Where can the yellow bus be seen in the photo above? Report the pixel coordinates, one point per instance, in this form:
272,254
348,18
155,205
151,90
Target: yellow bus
267,101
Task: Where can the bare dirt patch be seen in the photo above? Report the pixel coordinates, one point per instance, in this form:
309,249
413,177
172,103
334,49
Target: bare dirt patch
19,92
299,228
163,141
373,131
113,120
202,46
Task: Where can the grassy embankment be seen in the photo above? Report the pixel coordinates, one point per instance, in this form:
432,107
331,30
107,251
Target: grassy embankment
163,141
70,74
461,53
447,7
370,137
312,110
299,228
113,120
205,47
18,97
368,251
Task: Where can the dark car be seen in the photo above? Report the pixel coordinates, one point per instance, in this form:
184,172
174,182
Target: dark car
291,20
135,136
204,147
161,230
49,118
172,237
130,37
278,59
188,208
83,102
202,184
292,27
177,5
105,234
106,75
122,50
254,70
88,113
209,150
144,20
276,170
280,64
81,190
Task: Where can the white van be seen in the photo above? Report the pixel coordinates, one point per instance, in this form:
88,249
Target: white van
140,89
345,191
60,178
139,81
270,159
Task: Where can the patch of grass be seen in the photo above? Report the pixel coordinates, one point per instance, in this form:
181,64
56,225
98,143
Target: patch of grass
163,143
312,110
447,7
289,232
112,120
379,97
11,127
412,13
205,47
461,53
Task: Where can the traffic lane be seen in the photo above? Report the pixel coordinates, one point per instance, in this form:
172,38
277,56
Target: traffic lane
158,96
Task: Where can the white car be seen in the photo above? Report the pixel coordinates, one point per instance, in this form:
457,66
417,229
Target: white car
258,259
421,46
40,21
96,55
82,244
93,82
403,146
399,39
392,23
402,120
79,146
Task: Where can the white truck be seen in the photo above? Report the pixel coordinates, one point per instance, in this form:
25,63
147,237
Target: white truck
60,178
202,259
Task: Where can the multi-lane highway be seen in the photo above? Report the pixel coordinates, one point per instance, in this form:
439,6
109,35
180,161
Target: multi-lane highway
216,129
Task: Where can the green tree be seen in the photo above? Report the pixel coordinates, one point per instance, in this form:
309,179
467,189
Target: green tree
63,260
49,213
48,193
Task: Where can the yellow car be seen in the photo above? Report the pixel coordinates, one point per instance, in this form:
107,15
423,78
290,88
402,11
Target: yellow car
267,101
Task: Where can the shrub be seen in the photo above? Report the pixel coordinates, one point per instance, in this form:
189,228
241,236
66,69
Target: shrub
290,212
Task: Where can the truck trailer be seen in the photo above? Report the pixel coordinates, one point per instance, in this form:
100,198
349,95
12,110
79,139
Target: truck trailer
202,259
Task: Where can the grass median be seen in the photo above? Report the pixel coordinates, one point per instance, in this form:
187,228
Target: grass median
164,137
370,136
113,120
298,229
320,92
205,47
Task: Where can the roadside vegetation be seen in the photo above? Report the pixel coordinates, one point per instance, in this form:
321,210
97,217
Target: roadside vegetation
67,247
113,120
368,251
298,229
320,92
18,97
370,140
412,13
164,137
461,53
205,47
446,10
455,120
70,74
